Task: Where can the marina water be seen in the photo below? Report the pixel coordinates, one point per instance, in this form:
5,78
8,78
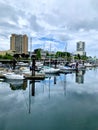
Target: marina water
59,102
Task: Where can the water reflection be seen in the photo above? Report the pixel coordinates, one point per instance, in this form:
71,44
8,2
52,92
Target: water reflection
17,84
54,79
32,84
80,76
53,85
56,103
51,80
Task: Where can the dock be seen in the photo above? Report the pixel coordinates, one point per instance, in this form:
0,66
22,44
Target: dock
2,76
35,77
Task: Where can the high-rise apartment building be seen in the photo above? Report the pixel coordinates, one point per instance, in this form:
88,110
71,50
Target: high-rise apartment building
19,43
80,48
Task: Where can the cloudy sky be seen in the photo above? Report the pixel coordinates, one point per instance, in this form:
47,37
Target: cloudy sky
54,25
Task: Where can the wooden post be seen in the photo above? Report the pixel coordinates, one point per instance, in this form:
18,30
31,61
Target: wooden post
14,63
55,62
33,64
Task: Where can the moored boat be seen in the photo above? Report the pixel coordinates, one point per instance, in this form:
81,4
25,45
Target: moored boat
49,70
12,75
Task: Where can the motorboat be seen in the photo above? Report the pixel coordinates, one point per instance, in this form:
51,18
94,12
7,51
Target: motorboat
77,65
49,70
89,65
66,69
1,80
81,67
25,70
12,75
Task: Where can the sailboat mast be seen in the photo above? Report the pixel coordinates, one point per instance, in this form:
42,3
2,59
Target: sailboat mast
66,51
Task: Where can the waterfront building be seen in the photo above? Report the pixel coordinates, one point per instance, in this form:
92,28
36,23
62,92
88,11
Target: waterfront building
6,52
19,43
80,48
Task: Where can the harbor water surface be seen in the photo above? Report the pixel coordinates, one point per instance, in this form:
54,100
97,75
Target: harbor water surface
59,102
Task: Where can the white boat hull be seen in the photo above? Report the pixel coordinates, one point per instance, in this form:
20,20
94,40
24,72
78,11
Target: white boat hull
13,76
50,70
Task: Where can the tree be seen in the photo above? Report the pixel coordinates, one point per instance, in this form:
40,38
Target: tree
7,56
26,56
79,57
23,55
16,56
84,57
58,54
38,54
1,56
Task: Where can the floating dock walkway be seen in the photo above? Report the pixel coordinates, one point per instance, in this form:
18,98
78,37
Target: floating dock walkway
35,77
